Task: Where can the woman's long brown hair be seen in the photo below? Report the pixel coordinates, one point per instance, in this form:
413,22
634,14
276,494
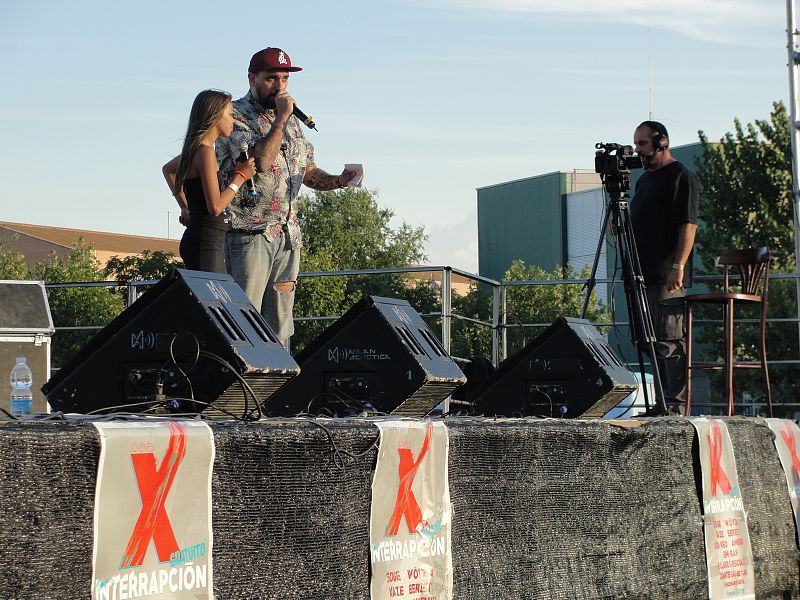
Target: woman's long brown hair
206,111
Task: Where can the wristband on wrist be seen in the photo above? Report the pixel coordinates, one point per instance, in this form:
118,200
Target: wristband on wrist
240,174
234,187
677,266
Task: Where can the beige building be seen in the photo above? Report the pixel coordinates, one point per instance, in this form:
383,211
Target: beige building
459,285
38,242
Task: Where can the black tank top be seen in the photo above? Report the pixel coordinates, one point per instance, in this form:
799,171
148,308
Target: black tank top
198,212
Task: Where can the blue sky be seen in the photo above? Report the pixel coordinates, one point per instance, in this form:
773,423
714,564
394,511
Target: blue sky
435,98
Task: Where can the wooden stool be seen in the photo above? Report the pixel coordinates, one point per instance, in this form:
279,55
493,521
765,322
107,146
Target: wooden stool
753,268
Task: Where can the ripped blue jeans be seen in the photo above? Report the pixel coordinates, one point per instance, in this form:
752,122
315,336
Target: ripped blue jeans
267,272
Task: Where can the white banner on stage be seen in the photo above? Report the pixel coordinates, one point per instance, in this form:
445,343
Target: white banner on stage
787,442
729,556
152,511
410,517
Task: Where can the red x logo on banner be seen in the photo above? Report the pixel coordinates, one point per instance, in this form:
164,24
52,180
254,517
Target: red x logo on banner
154,486
718,476
406,503
788,439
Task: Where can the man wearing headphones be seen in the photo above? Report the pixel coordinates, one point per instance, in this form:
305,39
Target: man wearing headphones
664,218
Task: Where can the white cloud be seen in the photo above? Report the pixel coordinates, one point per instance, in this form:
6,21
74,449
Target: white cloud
720,21
454,244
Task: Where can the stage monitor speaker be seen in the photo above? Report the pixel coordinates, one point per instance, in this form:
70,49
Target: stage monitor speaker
170,336
569,370
380,353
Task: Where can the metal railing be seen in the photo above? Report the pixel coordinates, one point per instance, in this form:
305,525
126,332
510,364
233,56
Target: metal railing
498,323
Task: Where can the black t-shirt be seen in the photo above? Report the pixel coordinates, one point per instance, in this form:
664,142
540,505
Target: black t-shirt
663,201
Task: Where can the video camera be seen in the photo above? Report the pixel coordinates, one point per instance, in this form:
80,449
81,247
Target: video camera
615,159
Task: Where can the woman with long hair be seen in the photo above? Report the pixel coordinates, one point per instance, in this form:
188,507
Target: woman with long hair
194,180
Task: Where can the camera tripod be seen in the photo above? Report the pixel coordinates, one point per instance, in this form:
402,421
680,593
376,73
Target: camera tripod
617,213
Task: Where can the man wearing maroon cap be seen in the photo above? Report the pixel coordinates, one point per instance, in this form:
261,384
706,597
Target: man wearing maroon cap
262,247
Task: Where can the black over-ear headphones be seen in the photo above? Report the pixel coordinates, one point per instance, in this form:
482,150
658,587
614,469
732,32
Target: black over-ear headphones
660,136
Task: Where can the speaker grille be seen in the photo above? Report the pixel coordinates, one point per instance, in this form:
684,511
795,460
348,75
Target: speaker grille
424,399
232,400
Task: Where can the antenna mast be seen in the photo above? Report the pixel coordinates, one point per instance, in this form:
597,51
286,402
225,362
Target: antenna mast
792,34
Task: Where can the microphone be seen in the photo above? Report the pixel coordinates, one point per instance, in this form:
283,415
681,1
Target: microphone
243,156
307,121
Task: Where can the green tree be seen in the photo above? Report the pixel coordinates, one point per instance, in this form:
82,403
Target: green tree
12,263
524,305
147,265
747,190
471,339
746,201
346,229
77,306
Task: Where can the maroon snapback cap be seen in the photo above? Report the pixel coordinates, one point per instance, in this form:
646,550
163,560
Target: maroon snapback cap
271,59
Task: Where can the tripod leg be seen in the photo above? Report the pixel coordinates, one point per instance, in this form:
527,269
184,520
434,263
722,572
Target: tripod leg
636,294
590,283
644,380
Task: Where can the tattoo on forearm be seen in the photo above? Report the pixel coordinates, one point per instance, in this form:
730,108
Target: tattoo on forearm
322,181
266,149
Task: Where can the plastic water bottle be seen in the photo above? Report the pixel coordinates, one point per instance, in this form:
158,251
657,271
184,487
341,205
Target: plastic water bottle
21,381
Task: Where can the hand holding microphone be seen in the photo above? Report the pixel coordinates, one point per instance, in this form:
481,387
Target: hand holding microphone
246,166
282,102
